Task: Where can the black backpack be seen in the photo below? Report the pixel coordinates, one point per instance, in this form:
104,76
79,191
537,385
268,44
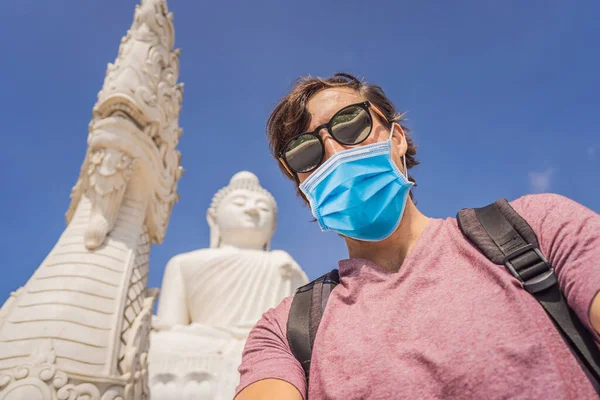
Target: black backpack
505,238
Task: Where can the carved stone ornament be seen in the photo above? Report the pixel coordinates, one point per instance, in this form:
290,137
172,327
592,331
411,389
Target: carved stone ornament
108,172
40,379
79,328
140,94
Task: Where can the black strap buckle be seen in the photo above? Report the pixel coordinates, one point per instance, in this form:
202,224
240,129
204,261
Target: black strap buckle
542,280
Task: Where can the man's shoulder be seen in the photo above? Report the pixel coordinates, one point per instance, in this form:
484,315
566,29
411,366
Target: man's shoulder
284,306
544,205
273,322
278,314
550,215
547,212
541,202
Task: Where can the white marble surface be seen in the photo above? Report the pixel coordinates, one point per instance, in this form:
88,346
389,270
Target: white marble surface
211,298
79,328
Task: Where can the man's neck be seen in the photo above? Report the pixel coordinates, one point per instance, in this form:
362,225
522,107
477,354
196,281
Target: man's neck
390,253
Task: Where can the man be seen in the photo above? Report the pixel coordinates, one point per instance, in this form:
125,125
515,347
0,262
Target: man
419,312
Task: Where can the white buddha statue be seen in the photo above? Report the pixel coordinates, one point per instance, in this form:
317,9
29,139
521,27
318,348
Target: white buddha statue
211,298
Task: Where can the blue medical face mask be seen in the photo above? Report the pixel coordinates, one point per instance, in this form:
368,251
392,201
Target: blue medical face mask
359,193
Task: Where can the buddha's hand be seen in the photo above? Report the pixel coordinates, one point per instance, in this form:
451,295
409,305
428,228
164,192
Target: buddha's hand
288,268
159,325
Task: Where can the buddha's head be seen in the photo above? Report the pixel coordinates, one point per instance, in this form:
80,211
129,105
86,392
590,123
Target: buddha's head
242,214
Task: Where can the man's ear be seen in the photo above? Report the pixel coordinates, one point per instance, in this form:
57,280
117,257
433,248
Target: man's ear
400,137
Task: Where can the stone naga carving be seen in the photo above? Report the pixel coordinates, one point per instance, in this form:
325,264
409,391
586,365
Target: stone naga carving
79,328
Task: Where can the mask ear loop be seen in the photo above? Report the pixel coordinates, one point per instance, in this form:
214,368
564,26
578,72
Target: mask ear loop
404,156
392,131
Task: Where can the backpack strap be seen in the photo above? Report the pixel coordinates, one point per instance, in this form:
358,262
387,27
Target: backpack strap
305,316
505,238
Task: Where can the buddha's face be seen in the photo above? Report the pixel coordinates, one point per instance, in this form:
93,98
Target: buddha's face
245,219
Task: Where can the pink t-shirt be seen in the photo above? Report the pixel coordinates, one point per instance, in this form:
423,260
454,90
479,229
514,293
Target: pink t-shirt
449,324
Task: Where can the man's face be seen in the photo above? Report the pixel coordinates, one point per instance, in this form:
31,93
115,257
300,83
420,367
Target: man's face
325,103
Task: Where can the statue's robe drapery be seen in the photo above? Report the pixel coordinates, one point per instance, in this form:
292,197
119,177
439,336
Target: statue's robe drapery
210,299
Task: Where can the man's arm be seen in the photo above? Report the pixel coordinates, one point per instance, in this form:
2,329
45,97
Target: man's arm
269,389
569,235
269,370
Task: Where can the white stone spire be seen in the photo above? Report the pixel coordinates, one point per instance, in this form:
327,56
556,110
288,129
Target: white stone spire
80,326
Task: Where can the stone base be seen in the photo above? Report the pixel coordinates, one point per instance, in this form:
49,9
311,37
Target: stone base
195,362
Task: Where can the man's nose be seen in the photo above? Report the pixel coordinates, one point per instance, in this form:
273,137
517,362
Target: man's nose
331,146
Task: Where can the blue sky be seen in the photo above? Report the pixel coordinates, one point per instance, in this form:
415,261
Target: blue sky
502,98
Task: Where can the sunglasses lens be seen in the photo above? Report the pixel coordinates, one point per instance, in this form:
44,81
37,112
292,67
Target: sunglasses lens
351,125
303,153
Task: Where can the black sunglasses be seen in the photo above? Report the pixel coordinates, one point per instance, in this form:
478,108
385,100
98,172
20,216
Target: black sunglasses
351,125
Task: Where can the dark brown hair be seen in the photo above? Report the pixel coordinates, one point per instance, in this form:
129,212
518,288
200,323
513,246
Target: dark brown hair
290,117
